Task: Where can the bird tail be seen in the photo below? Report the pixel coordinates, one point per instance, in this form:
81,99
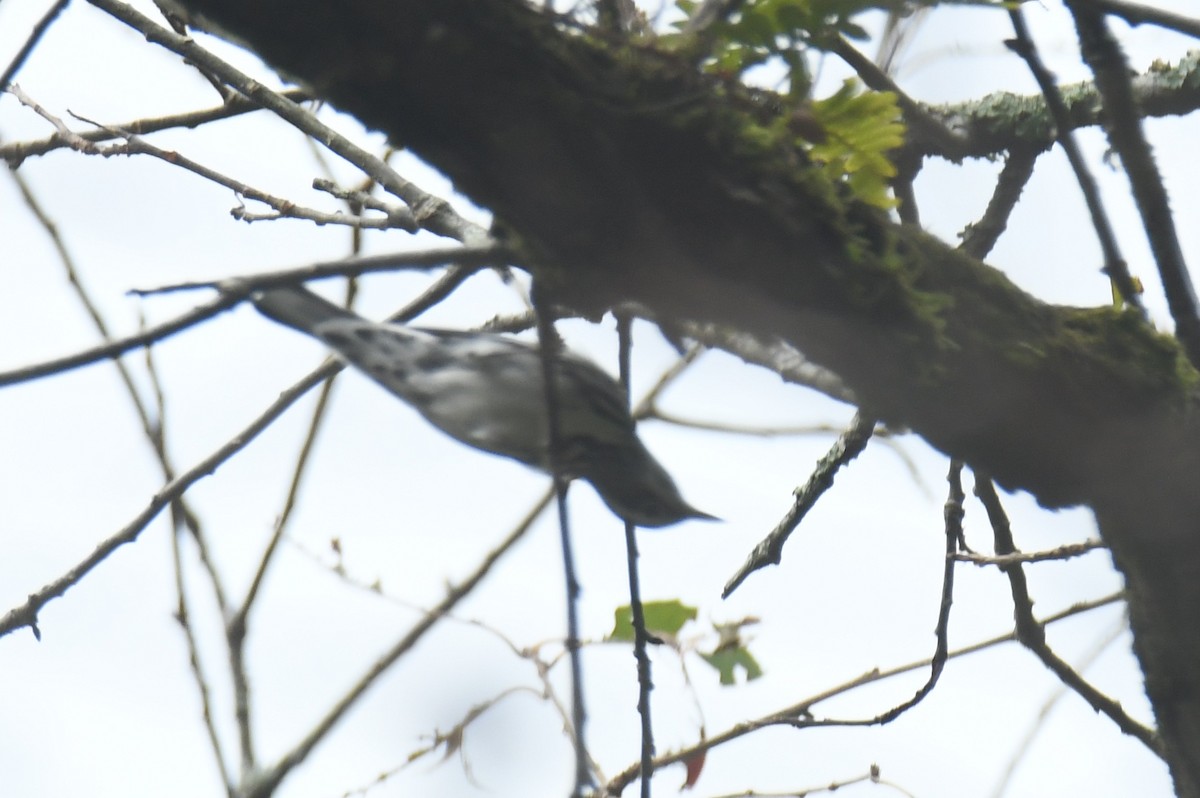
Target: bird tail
298,307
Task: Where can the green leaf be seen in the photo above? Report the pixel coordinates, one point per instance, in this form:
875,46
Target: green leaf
728,659
662,618
860,128
755,28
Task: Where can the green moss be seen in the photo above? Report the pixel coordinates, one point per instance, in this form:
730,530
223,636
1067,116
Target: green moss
1120,342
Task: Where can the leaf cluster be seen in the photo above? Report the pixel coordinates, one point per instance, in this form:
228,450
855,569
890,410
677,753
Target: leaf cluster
859,129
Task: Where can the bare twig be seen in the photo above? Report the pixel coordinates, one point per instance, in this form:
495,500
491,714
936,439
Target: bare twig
1032,634
1138,14
550,345
237,623
778,356
35,35
769,550
152,423
394,218
1017,558
265,783
119,346
233,292
1114,264
432,213
363,198
872,776
794,716
1119,628
641,639
886,436
16,152
64,134
953,532
183,617
26,614
1124,126
462,257
756,431
979,238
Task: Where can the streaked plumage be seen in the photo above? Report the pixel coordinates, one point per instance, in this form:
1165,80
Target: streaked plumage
486,391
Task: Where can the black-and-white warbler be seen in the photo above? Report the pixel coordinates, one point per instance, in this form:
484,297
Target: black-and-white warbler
486,391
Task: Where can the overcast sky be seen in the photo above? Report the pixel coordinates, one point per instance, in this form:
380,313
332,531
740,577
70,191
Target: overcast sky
105,705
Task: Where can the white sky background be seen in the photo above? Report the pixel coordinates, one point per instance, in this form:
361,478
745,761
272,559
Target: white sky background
105,706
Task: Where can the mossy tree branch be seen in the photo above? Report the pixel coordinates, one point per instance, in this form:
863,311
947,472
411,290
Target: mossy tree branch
625,175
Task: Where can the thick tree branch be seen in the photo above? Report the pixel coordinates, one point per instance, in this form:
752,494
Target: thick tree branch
625,175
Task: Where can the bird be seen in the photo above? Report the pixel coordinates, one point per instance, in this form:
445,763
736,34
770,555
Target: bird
486,390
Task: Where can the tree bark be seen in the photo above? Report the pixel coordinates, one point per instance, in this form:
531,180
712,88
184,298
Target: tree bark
626,176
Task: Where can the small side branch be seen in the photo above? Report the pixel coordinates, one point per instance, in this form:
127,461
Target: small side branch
769,551
1032,634
1138,14
1114,264
1124,126
551,345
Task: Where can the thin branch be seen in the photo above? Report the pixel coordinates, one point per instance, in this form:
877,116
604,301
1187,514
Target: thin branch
1138,14
432,213
792,716
908,165
455,739
979,238
1018,558
550,345
1124,126
1032,634
641,637
948,143
289,502
645,408
1114,264
769,550
119,346
778,356
465,257
395,217
64,134
237,623
183,617
233,291
753,430
26,614
872,776
266,782
182,515
31,41
359,198
153,430
152,427
953,532
1119,628
16,152
885,435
